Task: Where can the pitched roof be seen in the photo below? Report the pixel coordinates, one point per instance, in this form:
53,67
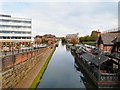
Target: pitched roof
99,59
117,39
107,38
87,56
38,36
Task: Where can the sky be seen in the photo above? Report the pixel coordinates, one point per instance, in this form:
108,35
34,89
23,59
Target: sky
64,17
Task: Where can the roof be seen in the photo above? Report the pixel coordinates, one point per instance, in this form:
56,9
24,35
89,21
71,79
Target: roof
99,59
117,39
49,35
87,56
72,35
38,36
107,38
97,51
3,15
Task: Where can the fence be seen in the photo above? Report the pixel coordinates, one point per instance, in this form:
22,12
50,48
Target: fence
109,77
9,61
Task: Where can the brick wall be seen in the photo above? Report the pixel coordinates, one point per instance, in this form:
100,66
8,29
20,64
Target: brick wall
104,47
11,60
14,71
107,48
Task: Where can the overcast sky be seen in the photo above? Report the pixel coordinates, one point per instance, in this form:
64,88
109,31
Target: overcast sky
61,18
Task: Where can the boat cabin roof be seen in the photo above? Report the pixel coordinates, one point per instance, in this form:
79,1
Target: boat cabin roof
95,59
99,59
88,56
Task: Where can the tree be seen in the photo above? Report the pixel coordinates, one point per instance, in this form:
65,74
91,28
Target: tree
81,39
73,41
93,35
43,40
85,38
63,39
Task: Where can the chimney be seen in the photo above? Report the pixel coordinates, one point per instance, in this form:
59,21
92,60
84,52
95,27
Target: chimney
98,35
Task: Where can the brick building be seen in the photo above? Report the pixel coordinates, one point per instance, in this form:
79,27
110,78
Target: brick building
70,37
116,47
47,39
104,41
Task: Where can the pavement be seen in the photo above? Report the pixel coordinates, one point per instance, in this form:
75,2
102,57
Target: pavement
28,79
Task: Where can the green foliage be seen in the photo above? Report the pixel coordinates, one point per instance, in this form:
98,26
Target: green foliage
43,40
63,39
18,46
85,38
92,37
89,43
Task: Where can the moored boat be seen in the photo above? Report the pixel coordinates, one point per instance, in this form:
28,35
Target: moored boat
99,68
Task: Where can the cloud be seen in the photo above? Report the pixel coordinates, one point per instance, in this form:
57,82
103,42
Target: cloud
59,1
61,18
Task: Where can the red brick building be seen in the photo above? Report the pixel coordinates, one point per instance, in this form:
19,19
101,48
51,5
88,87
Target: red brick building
116,48
104,41
48,39
37,39
70,37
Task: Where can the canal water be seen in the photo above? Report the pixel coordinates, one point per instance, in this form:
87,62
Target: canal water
62,71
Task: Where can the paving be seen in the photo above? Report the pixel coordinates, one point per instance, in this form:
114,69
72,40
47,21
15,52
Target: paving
28,79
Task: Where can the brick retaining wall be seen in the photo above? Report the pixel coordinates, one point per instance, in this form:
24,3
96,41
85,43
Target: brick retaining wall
15,67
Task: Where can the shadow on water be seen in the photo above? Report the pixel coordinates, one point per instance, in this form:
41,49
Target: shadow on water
85,78
83,75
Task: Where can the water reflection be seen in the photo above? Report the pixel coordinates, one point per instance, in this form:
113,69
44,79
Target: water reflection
63,71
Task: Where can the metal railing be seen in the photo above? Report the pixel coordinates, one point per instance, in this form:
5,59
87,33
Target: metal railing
101,76
5,53
109,77
112,30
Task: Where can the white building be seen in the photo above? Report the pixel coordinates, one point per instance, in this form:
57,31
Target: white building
14,30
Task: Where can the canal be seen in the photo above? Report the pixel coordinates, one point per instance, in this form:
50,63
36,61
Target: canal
63,72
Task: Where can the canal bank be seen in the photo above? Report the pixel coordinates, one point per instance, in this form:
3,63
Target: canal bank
26,82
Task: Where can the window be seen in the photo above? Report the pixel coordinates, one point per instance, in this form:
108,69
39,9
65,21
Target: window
4,37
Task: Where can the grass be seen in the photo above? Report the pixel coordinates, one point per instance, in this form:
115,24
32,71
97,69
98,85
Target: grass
38,77
89,43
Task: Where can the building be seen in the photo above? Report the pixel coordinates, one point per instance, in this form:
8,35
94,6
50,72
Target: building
38,39
14,31
70,37
47,39
116,47
105,41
